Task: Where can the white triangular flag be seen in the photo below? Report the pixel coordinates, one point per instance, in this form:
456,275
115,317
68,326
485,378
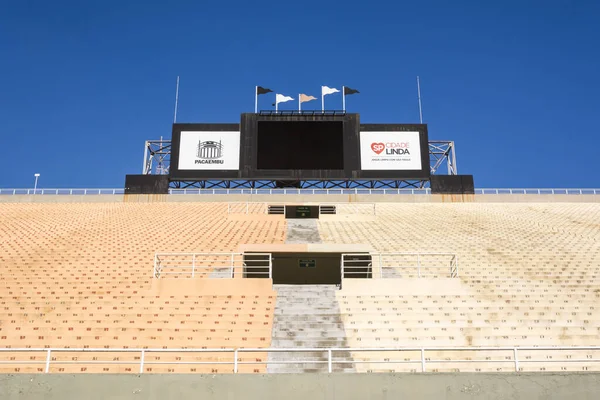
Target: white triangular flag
327,90
279,98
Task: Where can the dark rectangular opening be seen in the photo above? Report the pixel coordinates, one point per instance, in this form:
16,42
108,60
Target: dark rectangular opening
300,145
307,268
292,211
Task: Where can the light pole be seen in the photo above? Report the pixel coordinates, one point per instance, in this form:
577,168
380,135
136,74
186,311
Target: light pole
35,184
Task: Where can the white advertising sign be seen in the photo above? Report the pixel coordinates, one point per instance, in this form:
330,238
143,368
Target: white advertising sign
209,151
390,151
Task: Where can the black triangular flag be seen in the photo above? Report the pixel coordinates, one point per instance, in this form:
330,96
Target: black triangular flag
348,91
262,90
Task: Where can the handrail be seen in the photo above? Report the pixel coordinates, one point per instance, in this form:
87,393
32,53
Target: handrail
212,265
422,359
329,191
394,263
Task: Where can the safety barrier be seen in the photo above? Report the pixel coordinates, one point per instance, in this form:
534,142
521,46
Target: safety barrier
399,265
355,191
213,265
424,359
324,208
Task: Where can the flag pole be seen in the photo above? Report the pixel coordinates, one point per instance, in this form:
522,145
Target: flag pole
276,103
322,101
176,100
343,99
419,96
255,99
299,106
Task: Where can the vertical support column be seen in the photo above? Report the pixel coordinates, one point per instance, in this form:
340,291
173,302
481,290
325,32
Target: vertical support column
329,361
145,158
516,357
422,360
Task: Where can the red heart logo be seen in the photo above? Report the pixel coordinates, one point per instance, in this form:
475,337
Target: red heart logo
377,147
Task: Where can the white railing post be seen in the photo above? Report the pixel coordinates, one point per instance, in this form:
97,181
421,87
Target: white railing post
516,357
422,360
419,265
456,264
155,266
329,361
48,357
270,266
235,361
142,362
193,265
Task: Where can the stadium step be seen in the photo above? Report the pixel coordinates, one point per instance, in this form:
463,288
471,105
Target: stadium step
307,316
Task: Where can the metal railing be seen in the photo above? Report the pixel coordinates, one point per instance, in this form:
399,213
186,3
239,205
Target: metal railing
539,191
424,359
67,192
340,208
399,265
213,265
192,191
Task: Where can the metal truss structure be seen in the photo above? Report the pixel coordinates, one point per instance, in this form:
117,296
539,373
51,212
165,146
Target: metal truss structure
442,152
157,157
324,184
157,160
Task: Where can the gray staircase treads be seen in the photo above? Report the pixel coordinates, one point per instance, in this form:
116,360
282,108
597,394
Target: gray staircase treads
308,316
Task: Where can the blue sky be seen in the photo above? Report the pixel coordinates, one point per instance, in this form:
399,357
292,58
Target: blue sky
516,84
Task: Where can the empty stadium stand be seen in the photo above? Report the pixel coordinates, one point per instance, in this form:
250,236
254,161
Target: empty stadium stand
80,275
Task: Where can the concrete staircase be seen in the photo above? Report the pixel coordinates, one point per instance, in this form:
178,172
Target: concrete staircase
307,316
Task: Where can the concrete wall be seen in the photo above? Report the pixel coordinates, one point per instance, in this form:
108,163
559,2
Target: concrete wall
555,386
307,198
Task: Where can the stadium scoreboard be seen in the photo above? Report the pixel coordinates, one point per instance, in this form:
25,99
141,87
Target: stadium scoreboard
299,147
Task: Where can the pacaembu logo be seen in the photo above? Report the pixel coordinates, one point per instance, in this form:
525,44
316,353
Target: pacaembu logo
209,152
391,148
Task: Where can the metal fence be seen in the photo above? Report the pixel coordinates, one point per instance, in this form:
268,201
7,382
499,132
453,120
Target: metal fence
356,191
399,265
414,359
324,208
213,265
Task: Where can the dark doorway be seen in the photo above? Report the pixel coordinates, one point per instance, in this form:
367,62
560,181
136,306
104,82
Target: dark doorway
307,268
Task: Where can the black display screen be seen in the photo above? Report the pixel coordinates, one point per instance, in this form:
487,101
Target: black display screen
300,145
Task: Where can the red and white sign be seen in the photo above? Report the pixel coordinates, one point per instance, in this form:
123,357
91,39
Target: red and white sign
390,151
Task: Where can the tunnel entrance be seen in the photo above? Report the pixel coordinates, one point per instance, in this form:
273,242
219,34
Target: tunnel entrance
311,268
306,268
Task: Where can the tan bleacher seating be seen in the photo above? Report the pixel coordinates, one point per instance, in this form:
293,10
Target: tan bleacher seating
530,276
80,276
